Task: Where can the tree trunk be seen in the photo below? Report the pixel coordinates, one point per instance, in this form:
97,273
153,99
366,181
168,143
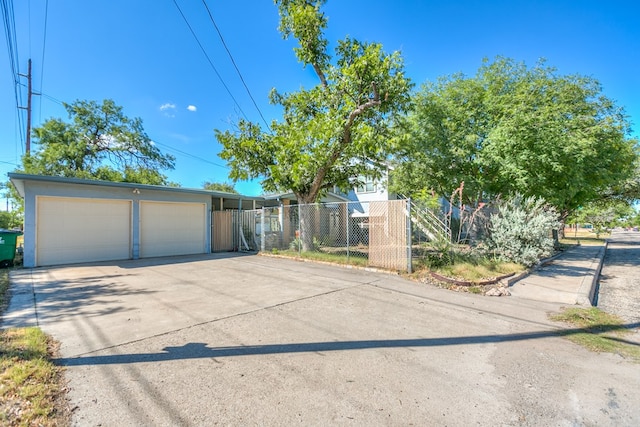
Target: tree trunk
306,228
307,222
556,240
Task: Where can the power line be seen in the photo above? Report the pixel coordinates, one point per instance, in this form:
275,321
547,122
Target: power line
51,98
10,163
234,64
8,17
44,47
28,108
169,147
190,155
209,59
29,26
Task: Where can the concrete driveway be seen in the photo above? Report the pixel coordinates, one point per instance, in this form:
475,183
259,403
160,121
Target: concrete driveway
248,340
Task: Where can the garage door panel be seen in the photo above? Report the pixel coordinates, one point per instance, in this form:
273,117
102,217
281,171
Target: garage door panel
72,230
172,229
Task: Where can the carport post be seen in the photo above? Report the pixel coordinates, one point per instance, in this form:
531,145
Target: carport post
299,236
263,237
347,230
281,219
409,267
135,228
238,230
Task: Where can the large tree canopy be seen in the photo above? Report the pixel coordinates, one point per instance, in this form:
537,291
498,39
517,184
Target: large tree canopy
100,142
331,133
516,129
225,187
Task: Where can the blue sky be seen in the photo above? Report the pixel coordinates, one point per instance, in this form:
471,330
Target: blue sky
141,54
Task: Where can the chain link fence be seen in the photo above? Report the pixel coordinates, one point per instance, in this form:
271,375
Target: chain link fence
388,234
376,234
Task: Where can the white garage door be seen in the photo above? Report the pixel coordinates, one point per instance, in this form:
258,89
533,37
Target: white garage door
72,230
172,229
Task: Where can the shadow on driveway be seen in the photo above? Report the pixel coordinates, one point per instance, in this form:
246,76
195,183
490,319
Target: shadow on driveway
181,259
93,295
201,350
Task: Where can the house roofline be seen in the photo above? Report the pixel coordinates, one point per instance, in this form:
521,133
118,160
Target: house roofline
18,179
292,196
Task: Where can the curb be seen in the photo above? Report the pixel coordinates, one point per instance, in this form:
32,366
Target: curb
467,283
588,293
334,264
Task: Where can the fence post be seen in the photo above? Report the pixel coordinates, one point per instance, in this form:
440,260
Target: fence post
409,234
281,220
299,236
347,228
263,236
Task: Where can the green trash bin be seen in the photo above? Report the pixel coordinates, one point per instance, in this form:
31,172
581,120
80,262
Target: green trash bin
8,241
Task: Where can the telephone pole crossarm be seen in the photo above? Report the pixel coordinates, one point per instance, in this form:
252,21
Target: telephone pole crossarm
28,107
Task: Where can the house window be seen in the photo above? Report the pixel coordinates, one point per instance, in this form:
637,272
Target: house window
366,185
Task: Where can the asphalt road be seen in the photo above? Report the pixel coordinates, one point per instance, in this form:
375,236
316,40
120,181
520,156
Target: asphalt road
620,278
249,340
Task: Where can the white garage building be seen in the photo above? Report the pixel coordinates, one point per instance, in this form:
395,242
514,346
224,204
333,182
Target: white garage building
70,220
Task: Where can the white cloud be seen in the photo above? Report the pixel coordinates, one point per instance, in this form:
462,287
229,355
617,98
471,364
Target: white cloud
191,108
168,109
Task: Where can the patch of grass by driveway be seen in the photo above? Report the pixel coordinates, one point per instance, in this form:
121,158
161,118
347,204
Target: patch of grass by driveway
598,331
4,289
32,391
479,270
583,237
334,258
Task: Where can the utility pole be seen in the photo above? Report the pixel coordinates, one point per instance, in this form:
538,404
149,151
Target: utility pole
28,107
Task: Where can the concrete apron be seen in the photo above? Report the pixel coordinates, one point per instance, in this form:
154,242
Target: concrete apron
258,341
571,278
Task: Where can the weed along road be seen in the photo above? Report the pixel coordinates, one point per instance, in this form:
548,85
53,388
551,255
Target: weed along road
620,279
245,340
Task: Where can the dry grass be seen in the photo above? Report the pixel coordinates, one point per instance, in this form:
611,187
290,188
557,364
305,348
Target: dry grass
355,258
32,391
4,288
480,270
31,386
598,331
582,237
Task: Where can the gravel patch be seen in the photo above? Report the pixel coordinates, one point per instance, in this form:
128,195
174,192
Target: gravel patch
620,278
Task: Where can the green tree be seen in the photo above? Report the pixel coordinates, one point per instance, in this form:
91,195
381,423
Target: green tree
14,217
439,142
627,191
100,142
225,187
331,133
512,129
604,214
5,219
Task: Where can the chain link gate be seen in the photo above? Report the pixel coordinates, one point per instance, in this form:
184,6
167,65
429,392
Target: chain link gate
375,234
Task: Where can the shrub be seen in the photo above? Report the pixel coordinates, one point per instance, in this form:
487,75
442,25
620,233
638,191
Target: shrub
296,244
442,254
520,231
